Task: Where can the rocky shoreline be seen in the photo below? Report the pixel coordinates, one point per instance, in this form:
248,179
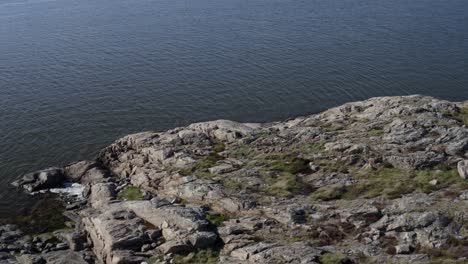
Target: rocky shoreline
379,181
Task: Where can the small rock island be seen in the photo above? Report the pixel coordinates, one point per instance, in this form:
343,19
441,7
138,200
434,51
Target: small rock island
378,181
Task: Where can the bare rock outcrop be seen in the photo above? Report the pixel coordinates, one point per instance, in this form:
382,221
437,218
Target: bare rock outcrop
375,181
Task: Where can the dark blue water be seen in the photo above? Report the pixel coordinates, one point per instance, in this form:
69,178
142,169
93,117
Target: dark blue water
77,74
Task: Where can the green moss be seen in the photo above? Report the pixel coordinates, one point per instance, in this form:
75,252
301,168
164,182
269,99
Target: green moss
328,193
393,182
131,193
216,219
314,147
285,185
241,152
445,177
288,164
376,132
279,173
385,181
233,183
332,166
219,147
155,259
461,115
207,256
333,258
201,166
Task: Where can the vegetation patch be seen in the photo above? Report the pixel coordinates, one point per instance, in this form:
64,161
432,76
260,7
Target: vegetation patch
219,147
332,127
328,193
332,166
314,147
131,193
286,163
155,259
45,217
242,152
454,251
280,175
333,258
207,256
461,115
233,184
393,182
445,177
216,219
387,181
286,185
376,132
201,166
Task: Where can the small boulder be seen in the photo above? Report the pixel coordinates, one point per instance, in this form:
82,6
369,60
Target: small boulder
403,249
39,180
463,169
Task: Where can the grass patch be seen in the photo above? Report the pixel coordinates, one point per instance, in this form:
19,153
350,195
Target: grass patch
285,185
219,147
461,115
385,181
446,177
279,173
131,193
332,128
393,182
314,147
332,166
328,193
376,132
155,259
216,219
288,164
233,184
333,258
207,256
241,152
201,166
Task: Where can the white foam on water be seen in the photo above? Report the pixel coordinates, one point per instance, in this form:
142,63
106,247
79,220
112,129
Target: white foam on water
70,189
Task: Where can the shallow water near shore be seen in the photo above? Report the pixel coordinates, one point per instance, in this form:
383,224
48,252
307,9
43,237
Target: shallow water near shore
76,75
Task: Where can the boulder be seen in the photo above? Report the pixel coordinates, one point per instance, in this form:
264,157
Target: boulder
463,169
75,171
43,179
101,194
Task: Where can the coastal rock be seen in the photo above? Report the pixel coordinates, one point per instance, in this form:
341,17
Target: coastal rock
366,182
75,171
39,180
101,194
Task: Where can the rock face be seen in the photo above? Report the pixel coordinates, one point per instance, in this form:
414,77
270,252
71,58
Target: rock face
376,181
